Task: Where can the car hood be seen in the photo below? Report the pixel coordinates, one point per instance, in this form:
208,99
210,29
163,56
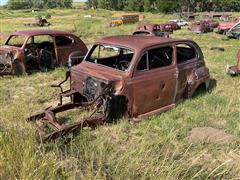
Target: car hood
8,48
229,24
5,56
91,69
89,80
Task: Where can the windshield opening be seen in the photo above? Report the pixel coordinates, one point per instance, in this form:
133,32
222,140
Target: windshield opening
115,57
16,40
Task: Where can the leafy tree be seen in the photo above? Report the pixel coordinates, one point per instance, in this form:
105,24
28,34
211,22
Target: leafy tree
24,4
167,6
18,4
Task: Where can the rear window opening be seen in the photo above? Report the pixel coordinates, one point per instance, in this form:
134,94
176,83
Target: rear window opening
185,53
111,56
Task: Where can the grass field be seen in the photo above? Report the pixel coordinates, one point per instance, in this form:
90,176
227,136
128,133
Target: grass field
156,148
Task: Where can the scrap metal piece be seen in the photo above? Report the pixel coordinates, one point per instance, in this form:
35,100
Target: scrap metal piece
21,54
200,27
234,70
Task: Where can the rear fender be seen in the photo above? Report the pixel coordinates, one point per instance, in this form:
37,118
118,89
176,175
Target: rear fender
198,78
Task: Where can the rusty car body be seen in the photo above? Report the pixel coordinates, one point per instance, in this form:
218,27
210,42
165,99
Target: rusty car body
180,22
150,30
38,50
174,25
132,76
213,24
200,27
234,32
223,28
166,27
39,21
234,70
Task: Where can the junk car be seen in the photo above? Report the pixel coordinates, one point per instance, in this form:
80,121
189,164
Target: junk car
125,18
38,50
39,21
180,22
174,25
200,27
150,30
234,32
235,70
223,28
132,76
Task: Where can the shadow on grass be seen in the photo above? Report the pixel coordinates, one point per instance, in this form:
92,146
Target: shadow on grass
201,90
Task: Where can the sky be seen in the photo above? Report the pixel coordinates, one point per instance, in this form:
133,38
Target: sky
3,2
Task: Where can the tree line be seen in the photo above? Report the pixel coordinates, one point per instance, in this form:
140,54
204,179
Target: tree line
166,6
27,4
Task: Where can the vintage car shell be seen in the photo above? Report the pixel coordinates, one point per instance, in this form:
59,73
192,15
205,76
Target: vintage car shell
175,81
18,54
200,27
150,30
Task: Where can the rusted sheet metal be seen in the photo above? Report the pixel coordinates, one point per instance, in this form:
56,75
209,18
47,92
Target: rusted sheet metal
133,76
226,26
21,54
200,27
235,70
38,22
213,24
150,30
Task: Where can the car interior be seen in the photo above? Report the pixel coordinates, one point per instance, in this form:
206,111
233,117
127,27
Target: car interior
114,57
185,53
40,54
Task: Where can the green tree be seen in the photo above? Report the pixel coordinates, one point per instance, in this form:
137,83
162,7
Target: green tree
24,4
18,4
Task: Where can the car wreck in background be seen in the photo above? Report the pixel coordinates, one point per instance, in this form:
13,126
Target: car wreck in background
234,32
39,21
213,24
223,28
200,27
150,30
126,18
38,50
234,70
180,22
131,76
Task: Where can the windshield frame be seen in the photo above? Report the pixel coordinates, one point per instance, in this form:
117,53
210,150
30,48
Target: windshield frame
9,38
114,46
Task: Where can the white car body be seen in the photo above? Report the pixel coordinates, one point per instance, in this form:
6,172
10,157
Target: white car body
180,22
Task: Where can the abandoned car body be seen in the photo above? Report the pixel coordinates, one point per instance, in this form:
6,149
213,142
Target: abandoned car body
150,30
223,28
180,22
38,22
235,70
38,50
133,76
200,27
234,32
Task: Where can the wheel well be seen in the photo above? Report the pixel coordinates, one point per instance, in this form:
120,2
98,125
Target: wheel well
116,108
200,88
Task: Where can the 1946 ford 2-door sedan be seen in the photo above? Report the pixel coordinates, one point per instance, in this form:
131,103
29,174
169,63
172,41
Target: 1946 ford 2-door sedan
133,76
38,50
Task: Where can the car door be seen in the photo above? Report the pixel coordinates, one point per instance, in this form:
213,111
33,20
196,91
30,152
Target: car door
154,80
187,61
64,46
